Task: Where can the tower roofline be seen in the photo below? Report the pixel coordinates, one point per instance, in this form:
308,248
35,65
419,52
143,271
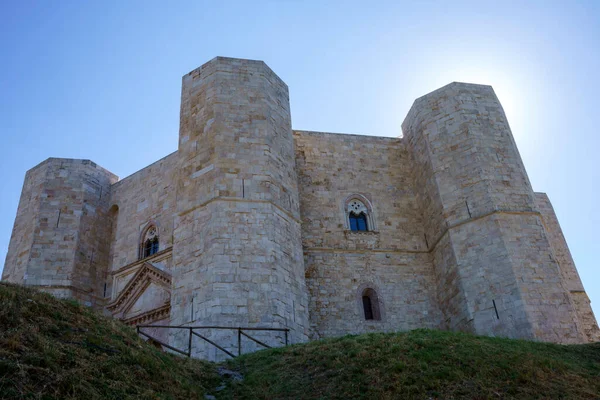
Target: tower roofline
456,86
83,161
228,63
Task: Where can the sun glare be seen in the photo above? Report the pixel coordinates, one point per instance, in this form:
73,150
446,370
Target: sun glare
505,86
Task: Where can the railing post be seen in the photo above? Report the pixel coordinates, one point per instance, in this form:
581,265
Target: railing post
190,343
240,330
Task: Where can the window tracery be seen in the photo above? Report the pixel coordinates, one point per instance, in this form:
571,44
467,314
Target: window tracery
359,216
150,242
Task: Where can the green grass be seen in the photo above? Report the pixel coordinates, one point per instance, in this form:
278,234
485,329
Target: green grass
55,349
421,364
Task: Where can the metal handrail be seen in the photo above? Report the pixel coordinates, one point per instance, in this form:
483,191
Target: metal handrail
256,340
163,343
247,328
214,344
191,332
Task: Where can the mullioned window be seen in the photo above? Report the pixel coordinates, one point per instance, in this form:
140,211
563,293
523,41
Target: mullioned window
359,214
150,242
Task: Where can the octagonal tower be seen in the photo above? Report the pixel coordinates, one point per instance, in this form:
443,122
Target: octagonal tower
61,236
237,255
495,267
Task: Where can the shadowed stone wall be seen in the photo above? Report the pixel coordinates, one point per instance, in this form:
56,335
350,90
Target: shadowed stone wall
570,276
61,238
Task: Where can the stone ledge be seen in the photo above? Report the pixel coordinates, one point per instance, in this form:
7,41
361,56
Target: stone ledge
160,256
360,233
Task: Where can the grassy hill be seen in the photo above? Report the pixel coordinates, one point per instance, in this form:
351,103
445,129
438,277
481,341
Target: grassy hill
52,349
421,364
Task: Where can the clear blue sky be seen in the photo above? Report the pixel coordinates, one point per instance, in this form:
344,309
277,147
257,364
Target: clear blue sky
101,80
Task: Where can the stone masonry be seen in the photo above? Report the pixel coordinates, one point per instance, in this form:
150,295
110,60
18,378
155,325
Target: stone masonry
253,225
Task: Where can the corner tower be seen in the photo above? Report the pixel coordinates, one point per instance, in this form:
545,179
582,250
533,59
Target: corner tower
237,253
494,263
61,236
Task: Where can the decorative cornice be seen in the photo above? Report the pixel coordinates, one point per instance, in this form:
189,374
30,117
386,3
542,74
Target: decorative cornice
160,256
150,316
138,283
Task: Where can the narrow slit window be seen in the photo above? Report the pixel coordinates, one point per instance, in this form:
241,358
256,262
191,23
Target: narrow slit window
368,307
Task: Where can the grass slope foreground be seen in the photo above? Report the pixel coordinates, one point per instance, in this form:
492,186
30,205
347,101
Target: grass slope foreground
421,364
56,349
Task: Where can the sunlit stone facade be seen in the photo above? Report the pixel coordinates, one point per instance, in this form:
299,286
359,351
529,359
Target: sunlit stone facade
251,223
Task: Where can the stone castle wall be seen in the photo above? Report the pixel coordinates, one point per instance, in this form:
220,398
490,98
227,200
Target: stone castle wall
21,240
237,256
253,227
570,276
148,196
392,258
61,235
494,264
144,198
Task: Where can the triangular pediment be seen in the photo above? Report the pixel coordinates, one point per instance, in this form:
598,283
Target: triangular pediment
154,296
138,295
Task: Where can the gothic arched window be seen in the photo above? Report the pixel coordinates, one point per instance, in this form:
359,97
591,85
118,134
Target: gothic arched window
370,303
149,245
359,216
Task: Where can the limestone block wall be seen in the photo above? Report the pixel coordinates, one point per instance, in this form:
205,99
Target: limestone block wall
145,197
570,276
332,167
253,229
495,269
404,283
67,234
392,258
550,310
21,240
237,257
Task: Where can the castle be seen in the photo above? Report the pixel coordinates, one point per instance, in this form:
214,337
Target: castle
251,223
